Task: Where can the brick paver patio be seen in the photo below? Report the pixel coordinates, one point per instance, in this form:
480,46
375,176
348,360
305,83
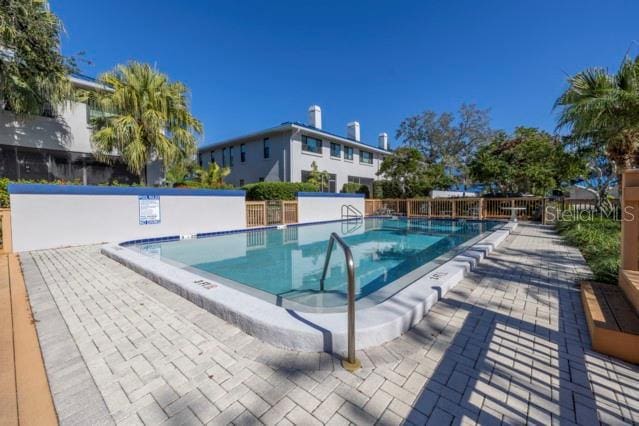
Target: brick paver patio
508,344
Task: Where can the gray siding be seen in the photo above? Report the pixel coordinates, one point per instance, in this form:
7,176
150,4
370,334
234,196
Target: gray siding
256,166
302,160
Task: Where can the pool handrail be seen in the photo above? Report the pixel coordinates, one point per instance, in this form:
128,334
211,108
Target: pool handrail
351,363
351,212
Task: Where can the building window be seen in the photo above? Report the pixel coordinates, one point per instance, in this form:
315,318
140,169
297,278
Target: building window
241,182
242,153
348,153
327,186
267,148
365,157
336,150
223,157
212,156
230,156
199,159
310,144
261,179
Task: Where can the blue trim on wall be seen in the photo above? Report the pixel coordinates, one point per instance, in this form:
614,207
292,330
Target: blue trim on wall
329,194
37,188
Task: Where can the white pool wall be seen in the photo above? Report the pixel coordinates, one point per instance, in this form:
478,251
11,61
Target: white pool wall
321,206
50,216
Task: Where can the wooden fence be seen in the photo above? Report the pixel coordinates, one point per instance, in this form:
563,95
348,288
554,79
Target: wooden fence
263,213
527,208
5,230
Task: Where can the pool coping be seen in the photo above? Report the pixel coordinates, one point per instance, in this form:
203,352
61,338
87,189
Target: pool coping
309,331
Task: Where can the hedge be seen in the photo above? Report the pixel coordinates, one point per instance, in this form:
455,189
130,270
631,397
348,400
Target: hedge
356,188
264,191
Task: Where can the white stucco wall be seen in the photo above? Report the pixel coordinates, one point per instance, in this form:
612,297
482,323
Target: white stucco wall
317,207
41,221
69,132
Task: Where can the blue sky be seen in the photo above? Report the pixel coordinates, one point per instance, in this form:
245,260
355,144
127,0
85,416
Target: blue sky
252,65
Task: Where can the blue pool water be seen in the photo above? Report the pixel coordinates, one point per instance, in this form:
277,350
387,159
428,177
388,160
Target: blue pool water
287,263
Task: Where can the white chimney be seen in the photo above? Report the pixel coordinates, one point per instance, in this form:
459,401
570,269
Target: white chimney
382,140
352,130
315,116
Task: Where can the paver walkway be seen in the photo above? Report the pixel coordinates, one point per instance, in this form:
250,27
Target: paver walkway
508,344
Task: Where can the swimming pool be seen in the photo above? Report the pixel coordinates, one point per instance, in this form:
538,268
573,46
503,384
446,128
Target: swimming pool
284,266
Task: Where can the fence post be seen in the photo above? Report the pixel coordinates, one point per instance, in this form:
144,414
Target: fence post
7,245
429,207
453,208
481,208
264,213
630,220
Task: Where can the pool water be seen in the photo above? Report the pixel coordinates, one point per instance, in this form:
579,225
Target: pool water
285,265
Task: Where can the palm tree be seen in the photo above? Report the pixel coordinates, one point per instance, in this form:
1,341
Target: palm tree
143,118
602,111
213,177
33,73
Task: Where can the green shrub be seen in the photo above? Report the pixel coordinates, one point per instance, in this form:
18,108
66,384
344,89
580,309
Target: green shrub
355,188
378,190
264,191
386,189
4,193
598,239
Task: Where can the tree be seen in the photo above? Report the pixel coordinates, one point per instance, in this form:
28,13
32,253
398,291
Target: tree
144,117
180,172
33,73
529,161
213,177
597,176
317,178
447,139
601,110
410,175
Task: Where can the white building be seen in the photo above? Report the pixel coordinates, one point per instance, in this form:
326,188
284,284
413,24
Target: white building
56,145
286,152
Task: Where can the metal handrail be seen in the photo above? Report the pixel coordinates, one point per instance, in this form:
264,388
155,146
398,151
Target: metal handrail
351,208
350,363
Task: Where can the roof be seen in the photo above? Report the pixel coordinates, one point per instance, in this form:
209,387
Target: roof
292,125
86,82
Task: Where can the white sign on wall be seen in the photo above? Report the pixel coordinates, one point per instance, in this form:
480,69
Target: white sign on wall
149,209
